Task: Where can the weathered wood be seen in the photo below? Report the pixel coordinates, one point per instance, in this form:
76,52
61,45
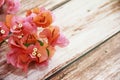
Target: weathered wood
86,26
49,4
102,63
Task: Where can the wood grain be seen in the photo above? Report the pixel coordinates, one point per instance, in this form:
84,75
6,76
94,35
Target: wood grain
48,4
86,26
102,63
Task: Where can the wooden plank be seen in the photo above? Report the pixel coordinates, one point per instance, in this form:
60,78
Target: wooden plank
86,26
49,4
102,63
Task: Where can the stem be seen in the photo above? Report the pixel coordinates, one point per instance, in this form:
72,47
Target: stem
2,42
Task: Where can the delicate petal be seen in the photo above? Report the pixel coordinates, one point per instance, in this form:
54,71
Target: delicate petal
43,52
43,20
30,19
15,42
12,6
1,2
29,39
51,51
51,33
11,58
18,58
62,41
4,31
28,28
8,21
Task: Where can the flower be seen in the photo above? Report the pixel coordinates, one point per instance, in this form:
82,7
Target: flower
15,24
62,41
12,6
22,29
4,31
32,38
29,39
39,53
43,17
51,34
54,36
20,25
9,6
14,42
19,58
2,2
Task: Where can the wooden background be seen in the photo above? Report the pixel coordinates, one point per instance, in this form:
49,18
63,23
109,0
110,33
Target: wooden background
93,28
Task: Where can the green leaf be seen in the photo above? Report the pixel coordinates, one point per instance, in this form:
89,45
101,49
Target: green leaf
27,44
48,52
41,43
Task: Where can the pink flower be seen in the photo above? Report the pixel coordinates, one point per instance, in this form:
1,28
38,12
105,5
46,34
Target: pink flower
16,24
62,41
22,41
19,58
20,25
12,6
4,31
1,2
14,42
26,44
29,25
21,29
9,6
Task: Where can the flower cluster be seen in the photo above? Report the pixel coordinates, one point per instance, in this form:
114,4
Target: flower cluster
32,38
9,6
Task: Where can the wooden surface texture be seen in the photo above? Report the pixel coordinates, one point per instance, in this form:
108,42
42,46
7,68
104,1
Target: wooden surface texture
87,24
101,63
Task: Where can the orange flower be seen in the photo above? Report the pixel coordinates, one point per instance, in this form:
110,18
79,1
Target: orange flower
54,37
34,10
51,33
43,17
29,39
43,20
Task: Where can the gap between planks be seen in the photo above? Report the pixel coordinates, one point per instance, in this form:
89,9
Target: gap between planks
101,63
75,36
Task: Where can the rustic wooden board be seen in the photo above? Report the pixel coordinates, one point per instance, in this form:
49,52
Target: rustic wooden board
86,26
48,4
102,63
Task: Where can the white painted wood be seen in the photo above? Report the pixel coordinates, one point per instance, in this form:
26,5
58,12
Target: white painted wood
86,24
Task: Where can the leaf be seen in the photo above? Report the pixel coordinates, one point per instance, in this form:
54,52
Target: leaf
48,52
27,44
41,43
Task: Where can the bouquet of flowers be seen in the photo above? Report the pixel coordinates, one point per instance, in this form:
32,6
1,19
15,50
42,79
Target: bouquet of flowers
31,38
